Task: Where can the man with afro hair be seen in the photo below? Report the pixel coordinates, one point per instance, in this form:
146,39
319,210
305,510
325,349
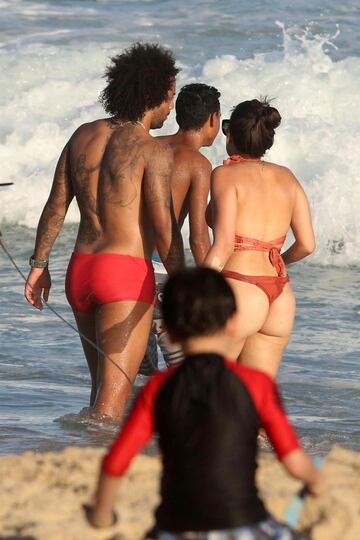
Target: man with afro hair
120,176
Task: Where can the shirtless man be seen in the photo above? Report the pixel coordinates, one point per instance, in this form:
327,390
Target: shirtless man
120,176
198,116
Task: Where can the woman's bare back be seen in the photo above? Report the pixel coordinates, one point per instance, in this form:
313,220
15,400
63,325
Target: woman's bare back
265,195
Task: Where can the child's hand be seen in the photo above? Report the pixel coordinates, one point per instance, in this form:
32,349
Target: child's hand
318,485
99,519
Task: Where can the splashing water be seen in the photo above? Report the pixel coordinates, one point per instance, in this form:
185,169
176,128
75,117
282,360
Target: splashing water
318,138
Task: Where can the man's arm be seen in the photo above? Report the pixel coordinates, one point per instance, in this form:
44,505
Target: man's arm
198,198
49,226
54,212
157,193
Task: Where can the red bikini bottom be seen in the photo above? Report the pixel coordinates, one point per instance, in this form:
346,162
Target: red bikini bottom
272,286
94,279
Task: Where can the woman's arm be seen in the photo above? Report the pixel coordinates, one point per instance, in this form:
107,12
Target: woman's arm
224,211
301,225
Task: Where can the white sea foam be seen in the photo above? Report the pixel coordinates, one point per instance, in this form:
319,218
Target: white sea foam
54,89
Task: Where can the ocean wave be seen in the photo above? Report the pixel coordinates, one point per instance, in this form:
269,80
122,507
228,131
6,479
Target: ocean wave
54,89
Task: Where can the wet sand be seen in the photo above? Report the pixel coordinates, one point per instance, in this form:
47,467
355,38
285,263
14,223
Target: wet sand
41,496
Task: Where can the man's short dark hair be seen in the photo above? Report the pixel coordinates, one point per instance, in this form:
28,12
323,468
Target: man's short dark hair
138,80
194,105
197,302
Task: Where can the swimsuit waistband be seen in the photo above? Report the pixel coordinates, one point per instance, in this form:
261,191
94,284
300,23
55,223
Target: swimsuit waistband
109,255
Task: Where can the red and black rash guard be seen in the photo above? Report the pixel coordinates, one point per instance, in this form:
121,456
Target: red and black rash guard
207,413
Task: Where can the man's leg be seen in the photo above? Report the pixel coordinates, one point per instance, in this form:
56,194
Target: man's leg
122,333
150,362
86,324
172,352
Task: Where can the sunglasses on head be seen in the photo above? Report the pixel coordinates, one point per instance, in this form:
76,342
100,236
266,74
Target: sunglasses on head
225,126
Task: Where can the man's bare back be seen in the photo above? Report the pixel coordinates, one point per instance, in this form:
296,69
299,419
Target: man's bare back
198,117
190,187
121,173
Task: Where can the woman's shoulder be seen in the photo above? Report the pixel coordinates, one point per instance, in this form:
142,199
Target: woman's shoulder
281,170
224,173
221,177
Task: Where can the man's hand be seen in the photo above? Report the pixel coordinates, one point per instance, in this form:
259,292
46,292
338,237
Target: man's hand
99,519
38,286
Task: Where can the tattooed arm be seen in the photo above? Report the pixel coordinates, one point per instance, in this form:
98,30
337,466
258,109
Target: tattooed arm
50,224
157,193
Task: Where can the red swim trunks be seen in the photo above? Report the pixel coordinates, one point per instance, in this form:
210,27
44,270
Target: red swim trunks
94,279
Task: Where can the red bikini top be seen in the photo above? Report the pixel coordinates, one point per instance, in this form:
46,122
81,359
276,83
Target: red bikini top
236,158
244,243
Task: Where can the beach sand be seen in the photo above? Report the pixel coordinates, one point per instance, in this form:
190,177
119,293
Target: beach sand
41,496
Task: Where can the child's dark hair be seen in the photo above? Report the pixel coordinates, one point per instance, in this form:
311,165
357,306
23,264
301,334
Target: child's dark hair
138,80
252,127
194,104
197,302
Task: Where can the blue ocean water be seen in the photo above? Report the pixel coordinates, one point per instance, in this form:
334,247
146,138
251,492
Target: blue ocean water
52,56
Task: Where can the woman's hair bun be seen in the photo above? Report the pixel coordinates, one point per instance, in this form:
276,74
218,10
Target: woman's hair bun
269,114
252,126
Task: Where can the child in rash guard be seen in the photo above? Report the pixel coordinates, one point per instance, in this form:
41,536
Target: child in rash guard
207,414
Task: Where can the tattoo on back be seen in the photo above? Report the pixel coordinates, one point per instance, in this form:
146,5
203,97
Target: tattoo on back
120,168
89,229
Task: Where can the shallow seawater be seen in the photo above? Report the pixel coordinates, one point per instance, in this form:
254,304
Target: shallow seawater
305,56
45,382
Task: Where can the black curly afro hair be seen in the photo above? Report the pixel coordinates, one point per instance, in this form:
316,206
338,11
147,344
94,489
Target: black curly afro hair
138,80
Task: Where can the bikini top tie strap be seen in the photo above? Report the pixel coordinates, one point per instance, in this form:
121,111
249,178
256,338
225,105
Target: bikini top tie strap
252,244
277,261
244,243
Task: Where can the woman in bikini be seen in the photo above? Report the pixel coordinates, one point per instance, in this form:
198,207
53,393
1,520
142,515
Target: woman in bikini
253,205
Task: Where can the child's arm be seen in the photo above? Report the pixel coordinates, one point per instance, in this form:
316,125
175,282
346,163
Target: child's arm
136,432
296,461
278,428
101,514
300,465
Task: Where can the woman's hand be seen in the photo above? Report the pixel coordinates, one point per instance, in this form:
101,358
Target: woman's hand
38,286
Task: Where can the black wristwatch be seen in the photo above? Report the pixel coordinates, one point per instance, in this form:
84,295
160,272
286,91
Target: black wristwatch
35,263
